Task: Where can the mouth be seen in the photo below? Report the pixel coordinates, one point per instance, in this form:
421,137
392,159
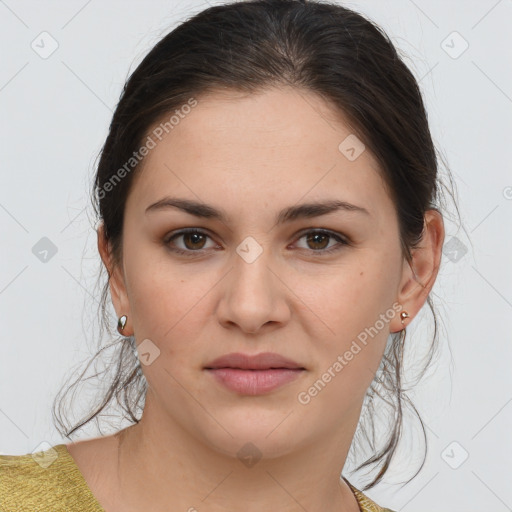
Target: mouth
254,375
254,382
263,361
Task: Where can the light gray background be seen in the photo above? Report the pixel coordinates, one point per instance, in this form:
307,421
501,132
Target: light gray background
54,117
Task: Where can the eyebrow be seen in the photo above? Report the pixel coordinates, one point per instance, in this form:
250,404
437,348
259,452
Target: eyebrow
291,213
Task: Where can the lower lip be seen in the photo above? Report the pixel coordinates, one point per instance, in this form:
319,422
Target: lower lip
254,382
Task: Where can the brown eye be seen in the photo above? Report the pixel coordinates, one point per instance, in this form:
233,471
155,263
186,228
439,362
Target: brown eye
192,241
318,241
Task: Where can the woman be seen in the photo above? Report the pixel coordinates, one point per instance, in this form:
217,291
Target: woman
269,220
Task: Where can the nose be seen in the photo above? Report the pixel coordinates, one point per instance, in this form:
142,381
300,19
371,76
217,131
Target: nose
254,296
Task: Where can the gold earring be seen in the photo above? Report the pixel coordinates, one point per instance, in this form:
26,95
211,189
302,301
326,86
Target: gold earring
404,315
121,323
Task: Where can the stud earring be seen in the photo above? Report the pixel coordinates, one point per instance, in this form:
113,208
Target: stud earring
121,323
404,315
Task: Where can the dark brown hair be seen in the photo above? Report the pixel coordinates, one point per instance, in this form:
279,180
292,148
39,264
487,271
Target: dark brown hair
248,46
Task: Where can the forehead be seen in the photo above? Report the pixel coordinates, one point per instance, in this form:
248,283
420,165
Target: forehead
275,147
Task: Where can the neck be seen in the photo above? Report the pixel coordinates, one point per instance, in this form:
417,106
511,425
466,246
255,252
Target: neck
161,463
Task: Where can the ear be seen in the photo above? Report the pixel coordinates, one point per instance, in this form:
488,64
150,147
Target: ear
116,281
417,282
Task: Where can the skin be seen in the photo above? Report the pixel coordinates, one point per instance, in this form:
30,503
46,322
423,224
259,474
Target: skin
253,155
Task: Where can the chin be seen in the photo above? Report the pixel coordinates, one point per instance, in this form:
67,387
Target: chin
255,433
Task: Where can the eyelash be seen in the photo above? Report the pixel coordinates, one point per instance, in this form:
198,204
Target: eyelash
320,252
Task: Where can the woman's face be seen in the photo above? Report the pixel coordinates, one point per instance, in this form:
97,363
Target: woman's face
261,278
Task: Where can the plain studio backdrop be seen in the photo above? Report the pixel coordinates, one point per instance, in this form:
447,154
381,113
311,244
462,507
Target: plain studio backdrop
63,67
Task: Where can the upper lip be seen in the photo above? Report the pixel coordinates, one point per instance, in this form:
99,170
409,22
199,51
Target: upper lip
263,361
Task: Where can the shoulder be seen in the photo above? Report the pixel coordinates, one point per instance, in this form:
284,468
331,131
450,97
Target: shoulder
365,503
42,481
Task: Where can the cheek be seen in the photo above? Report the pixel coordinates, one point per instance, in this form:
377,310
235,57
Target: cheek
168,311
347,298
350,311
166,302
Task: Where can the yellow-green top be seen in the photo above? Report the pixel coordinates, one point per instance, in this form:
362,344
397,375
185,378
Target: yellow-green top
50,481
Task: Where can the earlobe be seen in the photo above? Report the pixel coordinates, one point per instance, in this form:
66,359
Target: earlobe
401,320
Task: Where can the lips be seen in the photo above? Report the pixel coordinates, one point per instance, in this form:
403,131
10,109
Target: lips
263,361
254,375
